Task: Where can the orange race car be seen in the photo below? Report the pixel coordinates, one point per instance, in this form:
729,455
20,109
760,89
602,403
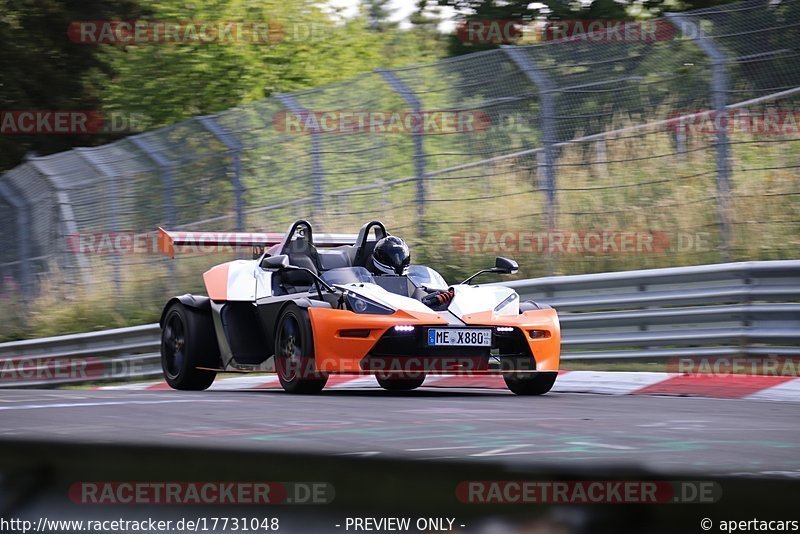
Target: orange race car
309,306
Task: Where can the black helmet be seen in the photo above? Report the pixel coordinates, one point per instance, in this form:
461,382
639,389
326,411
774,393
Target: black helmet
391,255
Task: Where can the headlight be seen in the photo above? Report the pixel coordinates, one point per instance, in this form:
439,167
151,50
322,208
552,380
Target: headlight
511,298
359,304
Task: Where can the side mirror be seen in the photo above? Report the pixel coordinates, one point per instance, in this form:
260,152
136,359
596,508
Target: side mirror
505,266
501,266
281,261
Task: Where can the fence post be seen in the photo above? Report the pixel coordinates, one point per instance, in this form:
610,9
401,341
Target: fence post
317,175
165,172
165,166
235,148
546,89
419,148
70,224
99,168
67,222
719,89
23,220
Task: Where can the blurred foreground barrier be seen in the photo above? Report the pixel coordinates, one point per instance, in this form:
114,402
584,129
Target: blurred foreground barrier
707,311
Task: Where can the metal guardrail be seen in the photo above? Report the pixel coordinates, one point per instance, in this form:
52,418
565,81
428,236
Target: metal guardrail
750,308
120,354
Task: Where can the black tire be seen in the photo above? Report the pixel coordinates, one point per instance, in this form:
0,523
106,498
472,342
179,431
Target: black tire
530,383
400,384
294,353
187,342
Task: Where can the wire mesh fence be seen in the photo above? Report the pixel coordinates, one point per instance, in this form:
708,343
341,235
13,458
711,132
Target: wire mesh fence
581,155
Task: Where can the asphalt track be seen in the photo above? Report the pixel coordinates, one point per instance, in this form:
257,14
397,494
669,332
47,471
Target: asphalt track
660,434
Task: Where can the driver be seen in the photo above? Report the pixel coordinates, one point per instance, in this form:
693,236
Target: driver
391,256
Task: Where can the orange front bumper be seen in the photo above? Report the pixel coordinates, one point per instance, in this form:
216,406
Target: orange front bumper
545,344
338,351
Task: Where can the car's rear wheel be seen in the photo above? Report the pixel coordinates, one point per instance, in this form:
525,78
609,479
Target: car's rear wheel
401,383
188,342
294,353
530,383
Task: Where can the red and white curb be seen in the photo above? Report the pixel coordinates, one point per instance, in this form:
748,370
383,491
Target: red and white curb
771,388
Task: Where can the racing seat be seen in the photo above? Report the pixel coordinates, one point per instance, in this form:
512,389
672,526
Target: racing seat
365,246
364,255
301,254
334,258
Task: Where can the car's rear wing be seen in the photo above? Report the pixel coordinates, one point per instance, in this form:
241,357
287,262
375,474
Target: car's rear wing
170,241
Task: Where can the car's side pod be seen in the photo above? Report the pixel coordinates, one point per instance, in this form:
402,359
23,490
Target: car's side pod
197,302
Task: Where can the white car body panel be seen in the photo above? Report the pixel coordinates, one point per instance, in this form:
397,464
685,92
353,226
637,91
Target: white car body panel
242,280
263,282
474,299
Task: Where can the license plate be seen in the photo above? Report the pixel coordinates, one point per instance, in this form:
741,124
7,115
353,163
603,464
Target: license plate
460,337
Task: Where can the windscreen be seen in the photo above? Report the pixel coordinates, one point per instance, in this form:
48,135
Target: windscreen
425,276
347,275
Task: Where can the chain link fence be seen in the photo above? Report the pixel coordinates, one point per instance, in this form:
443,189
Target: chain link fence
588,154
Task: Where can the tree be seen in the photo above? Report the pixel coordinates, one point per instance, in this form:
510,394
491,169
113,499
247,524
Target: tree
313,47
161,83
484,11
378,15
41,69
526,11
426,16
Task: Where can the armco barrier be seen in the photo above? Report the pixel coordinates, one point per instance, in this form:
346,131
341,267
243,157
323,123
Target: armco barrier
109,355
750,308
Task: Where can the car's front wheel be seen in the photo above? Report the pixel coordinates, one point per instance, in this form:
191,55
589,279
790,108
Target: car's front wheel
530,383
403,383
294,353
188,342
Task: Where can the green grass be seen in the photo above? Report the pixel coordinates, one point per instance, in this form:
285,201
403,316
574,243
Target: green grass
656,367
